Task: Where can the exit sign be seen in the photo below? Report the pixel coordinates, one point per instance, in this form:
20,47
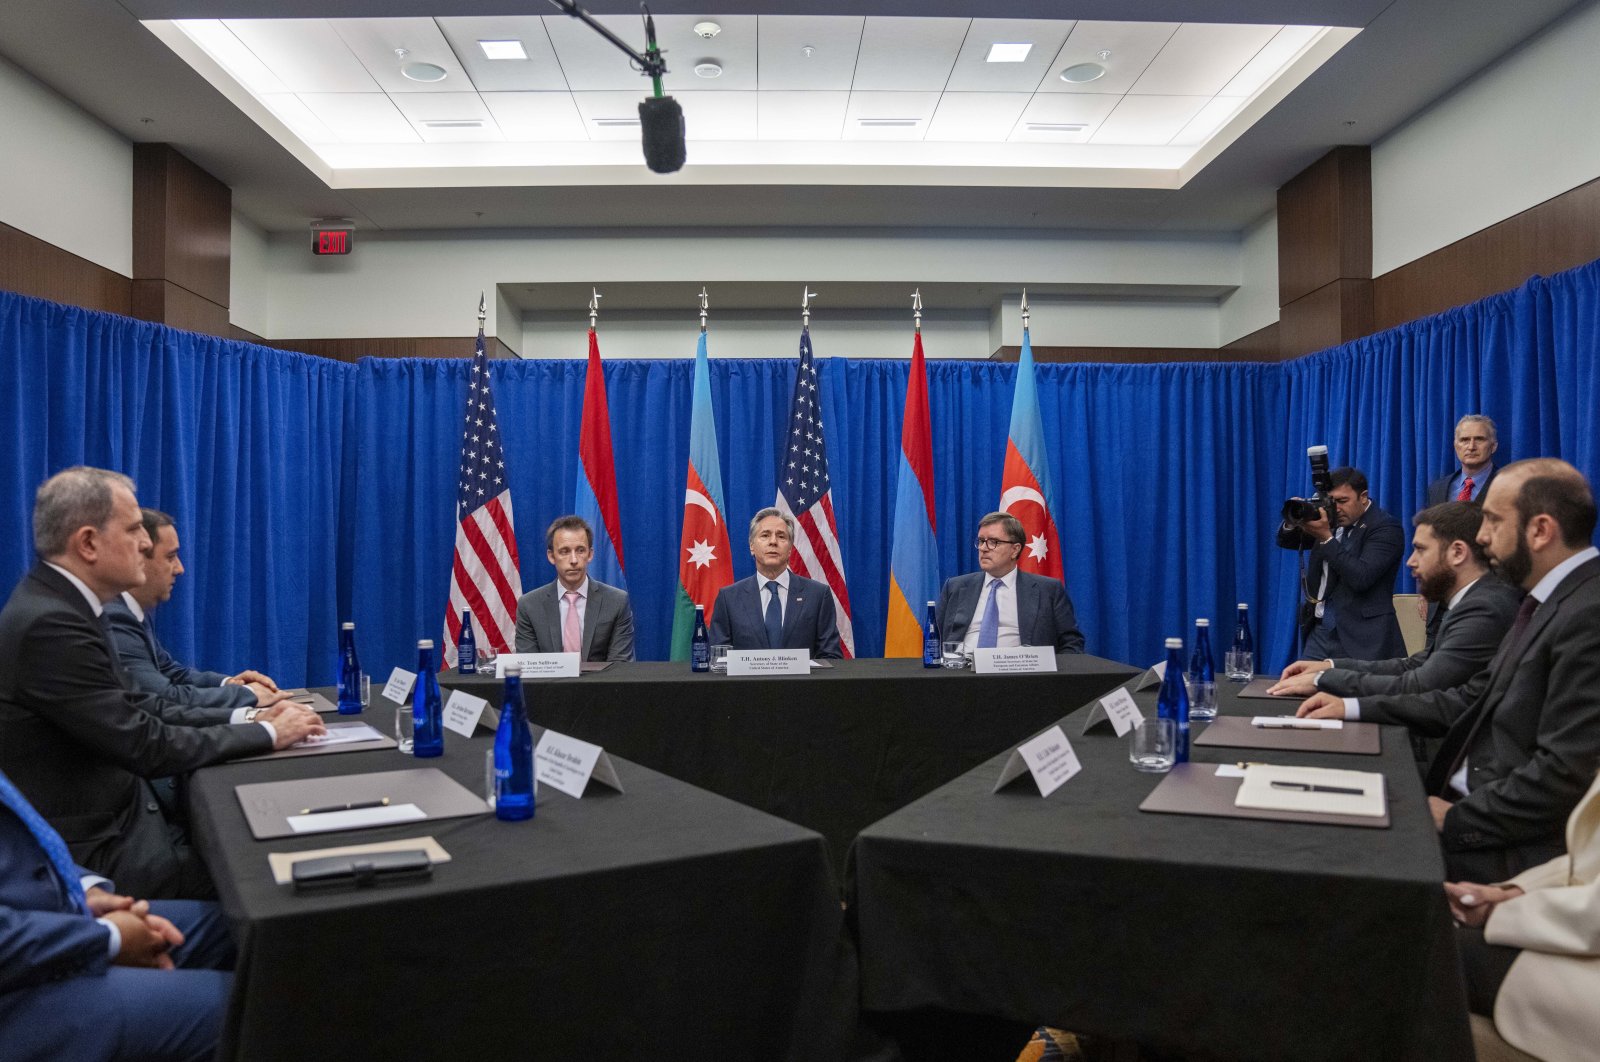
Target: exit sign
332,240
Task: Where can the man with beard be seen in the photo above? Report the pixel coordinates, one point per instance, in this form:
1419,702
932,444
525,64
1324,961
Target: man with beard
1519,756
1452,570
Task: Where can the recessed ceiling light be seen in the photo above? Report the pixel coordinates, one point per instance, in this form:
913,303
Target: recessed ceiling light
1057,127
887,123
1083,73
1009,53
503,50
453,123
615,123
706,29
708,68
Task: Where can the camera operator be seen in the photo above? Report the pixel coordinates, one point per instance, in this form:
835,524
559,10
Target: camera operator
1350,566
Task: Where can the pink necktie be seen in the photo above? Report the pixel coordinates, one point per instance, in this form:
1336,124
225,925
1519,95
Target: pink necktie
571,630
1466,490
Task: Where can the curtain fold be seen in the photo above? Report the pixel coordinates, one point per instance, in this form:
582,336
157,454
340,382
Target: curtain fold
307,491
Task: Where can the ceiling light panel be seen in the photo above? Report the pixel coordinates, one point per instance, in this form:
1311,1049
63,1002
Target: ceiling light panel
1266,64
718,115
1009,51
977,117
434,116
306,54
1151,120
1132,46
503,51
801,115
1201,58
536,117
834,40
375,40
974,73
881,108
908,54
220,43
361,117
1063,109
538,73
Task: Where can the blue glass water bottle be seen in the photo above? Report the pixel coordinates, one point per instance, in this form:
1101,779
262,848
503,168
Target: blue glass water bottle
931,652
700,647
1202,674
466,646
349,671
513,755
1241,660
427,713
1173,702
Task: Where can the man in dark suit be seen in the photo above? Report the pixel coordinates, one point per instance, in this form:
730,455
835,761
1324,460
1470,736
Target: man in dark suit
775,608
1348,578
86,974
1475,443
73,735
146,662
1451,568
575,614
1000,606
1517,757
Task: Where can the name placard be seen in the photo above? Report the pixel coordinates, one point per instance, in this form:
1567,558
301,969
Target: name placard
398,688
1048,757
769,661
538,665
1156,674
462,712
567,764
1022,659
1118,708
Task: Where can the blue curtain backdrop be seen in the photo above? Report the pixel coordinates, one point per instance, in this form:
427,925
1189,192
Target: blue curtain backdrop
308,490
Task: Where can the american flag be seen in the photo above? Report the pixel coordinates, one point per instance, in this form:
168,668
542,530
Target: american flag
484,575
805,492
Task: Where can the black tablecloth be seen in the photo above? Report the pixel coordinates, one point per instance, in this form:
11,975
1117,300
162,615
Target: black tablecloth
833,751
1237,938
664,922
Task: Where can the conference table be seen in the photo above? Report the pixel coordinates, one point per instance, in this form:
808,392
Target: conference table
1224,937
833,751
660,922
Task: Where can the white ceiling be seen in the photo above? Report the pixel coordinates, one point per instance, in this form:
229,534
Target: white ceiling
796,94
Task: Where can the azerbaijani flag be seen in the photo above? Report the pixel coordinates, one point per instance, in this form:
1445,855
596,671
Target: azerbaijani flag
705,561
597,476
913,560
1025,487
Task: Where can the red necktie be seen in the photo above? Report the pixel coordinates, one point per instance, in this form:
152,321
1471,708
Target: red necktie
1466,490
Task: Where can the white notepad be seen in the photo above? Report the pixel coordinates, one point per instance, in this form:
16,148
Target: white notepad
1306,789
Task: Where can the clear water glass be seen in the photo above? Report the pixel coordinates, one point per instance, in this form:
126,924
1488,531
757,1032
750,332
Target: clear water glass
1152,745
954,655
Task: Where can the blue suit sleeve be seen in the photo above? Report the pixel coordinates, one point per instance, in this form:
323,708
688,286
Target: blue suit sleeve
39,946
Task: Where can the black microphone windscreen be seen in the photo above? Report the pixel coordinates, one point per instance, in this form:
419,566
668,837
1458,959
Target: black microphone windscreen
661,124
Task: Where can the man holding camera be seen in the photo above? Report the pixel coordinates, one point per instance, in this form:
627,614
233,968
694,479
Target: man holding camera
1353,554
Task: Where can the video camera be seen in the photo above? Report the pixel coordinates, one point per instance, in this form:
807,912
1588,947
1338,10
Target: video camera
1299,510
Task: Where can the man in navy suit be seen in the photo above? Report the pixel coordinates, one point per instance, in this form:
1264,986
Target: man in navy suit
145,661
1001,606
1476,443
1348,579
775,608
86,974
574,613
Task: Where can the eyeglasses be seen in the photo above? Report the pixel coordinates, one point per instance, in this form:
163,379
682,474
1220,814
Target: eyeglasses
995,543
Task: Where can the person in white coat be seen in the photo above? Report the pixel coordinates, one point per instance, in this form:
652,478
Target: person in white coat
1548,999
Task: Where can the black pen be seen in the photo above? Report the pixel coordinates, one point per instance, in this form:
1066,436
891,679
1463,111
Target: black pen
1306,787
382,803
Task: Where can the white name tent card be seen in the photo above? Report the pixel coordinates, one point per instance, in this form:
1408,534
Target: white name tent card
462,712
1154,676
567,764
1020,660
1048,757
769,662
399,686
538,665
1117,708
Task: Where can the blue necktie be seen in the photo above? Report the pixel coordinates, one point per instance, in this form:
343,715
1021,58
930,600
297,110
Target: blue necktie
989,629
49,840
774,618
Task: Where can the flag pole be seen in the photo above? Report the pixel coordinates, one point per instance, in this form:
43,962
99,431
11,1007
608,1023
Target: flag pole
1024,309
705,304
594,306
916,309
806,295
483,311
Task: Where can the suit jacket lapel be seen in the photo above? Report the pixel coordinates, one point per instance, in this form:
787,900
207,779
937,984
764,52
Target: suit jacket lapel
550,616
792,613
590,617
1027,606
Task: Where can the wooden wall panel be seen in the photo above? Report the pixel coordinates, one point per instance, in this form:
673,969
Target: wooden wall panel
30,266
1333,314
393,347
1325,224
1124,355
177,307
182,224
1260,345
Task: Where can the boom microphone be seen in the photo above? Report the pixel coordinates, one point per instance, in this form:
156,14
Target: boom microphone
662,129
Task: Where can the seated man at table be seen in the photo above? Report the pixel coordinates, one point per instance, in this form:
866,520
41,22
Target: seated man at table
86,974
1517,757
147,664
775,608
1001,606
1451,569
574,614
73,736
